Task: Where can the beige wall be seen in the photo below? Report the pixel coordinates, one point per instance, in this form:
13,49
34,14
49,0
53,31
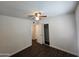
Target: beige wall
34,31
40,33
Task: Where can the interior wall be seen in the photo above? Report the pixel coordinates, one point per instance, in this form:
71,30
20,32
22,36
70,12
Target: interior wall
77,24
34,31
40,33
62,32
15,34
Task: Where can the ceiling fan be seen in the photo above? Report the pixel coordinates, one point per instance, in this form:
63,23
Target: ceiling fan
37,15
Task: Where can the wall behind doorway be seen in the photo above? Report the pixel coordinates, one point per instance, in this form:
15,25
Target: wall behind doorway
34,31
40,33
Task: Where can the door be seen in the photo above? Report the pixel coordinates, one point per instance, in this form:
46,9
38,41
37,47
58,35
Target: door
46,34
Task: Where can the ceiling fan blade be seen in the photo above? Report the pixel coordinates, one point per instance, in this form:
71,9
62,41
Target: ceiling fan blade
31,15
43,16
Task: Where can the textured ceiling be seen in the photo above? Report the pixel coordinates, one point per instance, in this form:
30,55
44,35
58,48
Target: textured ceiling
23,8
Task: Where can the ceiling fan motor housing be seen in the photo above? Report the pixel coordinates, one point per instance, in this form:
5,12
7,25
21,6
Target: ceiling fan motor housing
38,14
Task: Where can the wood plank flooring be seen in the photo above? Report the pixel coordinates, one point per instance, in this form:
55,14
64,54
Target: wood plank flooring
38,50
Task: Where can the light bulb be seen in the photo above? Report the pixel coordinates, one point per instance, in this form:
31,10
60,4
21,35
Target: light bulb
38,14
37,18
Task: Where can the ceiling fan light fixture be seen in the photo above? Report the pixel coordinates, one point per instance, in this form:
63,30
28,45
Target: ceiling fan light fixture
37,18
38,14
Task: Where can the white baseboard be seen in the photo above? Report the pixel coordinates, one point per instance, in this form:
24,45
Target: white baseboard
64,50
20,50
10,54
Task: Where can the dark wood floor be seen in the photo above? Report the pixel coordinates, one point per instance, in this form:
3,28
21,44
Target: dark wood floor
38,50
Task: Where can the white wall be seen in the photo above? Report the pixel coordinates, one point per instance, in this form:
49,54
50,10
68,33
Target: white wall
15,34
77,23
62,32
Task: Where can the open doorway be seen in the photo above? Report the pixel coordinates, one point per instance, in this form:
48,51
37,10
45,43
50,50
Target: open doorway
34,31
46,34
38,32
34,35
